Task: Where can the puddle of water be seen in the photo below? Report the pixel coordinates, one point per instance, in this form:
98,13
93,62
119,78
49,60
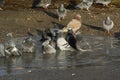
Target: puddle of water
105,51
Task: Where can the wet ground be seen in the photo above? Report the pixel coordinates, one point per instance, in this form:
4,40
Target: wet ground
102,63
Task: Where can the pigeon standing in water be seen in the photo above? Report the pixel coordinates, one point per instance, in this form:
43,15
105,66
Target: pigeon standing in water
2,50
44,4
62,44
85,4
10,46
108,24
48,47
104,2
28,45
61,12
74,24
71,38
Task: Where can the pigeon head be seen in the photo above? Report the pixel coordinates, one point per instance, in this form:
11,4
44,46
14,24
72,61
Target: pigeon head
108,20
70,31
62,8
9,36
78,17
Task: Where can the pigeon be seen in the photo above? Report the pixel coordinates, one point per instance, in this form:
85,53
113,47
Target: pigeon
2,50
62,43
73,40
85,4
44,4
74,24
61,11
104,2
108,24
28,45
10,46
70,38
48,48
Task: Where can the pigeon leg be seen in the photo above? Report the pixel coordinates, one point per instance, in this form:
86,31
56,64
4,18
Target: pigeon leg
59,18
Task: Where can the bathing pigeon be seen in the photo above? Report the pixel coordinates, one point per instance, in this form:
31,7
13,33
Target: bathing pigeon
61,11
10,46
85,4
44,4
104,2
2,50
108,24
28,45
48,48
74,24
70,38
62,43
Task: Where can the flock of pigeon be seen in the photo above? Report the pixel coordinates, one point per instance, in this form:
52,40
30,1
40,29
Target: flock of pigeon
85,4
54,39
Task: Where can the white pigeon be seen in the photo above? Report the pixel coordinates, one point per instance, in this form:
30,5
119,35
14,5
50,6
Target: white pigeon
62,44
85,4
48,48
61,11
74,24
44,4
104,2
10,46
108,24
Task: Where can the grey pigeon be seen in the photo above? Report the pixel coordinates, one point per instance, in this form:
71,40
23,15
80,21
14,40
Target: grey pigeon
104,2
44,4
85,4
28,45
61,11
10,46
108,24
2,50
48,48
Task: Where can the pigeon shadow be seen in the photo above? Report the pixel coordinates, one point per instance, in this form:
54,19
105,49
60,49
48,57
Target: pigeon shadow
29,34
35,2
58,25
117,35
51,14
94,27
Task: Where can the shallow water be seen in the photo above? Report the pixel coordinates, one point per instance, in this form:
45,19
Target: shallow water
104,51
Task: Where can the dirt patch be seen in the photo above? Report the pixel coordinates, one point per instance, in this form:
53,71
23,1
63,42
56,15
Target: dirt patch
21,21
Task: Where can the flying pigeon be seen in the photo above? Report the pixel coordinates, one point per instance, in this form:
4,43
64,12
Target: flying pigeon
108,24
85,4
61,11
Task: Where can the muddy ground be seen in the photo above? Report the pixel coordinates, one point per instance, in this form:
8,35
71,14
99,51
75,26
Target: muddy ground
21,21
